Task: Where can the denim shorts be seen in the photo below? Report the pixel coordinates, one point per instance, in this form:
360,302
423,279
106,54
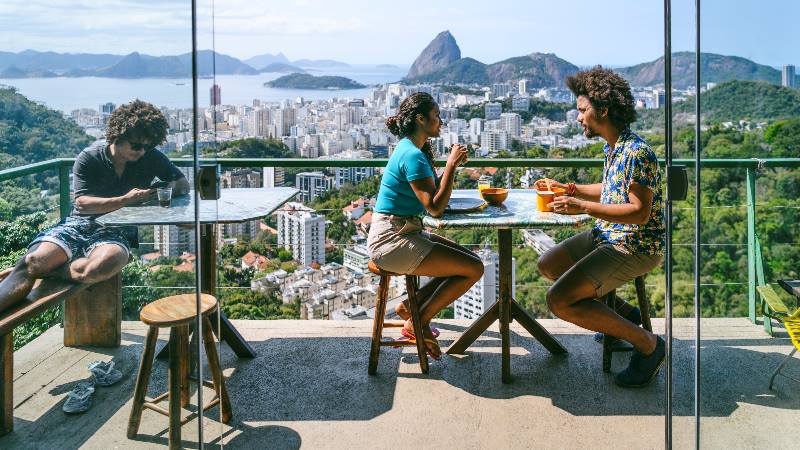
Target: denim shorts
78,236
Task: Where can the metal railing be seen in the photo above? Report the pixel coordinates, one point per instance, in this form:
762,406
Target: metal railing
752,166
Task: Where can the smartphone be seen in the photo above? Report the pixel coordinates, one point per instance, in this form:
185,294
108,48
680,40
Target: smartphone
157,183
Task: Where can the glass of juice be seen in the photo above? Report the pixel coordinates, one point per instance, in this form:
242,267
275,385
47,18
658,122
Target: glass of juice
484,182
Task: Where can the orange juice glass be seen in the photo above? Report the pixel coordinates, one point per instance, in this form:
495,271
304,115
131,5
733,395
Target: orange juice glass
543,198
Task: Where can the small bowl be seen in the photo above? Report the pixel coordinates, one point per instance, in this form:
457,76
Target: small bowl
494,196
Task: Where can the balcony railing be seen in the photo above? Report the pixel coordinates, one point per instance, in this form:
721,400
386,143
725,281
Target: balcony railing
752,166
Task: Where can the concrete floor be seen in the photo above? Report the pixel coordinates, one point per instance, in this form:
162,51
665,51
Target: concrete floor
309,388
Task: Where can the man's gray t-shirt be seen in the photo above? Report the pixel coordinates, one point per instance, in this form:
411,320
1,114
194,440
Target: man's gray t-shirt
94,174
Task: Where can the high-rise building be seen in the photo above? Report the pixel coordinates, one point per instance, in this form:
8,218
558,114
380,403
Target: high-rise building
523,87
274,176
659,97
788,76
285,118
483,294
494,140
172,240
302,231
492,110
500,90
521,104
263,123
475,129
512,123
107,108
352,175
312,185
215,95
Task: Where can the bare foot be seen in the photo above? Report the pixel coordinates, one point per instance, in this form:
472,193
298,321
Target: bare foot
402,310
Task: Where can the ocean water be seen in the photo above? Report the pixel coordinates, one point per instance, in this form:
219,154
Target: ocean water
67,94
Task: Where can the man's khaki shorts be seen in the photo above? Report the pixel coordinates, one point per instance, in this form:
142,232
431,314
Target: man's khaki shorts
607,267
397,243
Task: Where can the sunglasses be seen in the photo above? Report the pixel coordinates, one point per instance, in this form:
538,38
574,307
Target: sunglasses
139,147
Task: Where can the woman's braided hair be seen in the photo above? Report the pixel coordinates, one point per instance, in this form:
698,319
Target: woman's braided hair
404,123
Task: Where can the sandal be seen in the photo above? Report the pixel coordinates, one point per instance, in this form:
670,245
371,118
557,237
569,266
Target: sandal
434,331
104,373
79,399
429,343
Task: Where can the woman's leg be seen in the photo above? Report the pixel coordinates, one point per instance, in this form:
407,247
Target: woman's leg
425,292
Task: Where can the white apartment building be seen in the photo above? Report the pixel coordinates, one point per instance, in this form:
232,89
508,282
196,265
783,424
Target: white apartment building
511,123
475,129
312,185
302,231
483,294
172,240
274,176
494,140
492,110
521,104
356,258
523,87
352,175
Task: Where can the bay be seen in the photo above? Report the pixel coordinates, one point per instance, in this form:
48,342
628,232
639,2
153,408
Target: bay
67,94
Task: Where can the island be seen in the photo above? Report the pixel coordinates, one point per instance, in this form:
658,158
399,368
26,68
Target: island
281,68
305,81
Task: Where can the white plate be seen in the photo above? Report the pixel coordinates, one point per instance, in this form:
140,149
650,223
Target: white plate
464,204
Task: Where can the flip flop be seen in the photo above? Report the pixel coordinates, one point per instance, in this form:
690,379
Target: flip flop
79,399
104,373
434,331
428,341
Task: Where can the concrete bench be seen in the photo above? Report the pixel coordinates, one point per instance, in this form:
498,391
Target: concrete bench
92,317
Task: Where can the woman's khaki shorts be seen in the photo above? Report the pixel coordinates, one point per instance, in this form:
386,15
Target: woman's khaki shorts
605,266
397,243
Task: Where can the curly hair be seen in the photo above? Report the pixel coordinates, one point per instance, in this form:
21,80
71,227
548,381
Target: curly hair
404,123
605,89
137,121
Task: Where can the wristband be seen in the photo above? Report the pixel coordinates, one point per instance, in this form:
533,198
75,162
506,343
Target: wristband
570,189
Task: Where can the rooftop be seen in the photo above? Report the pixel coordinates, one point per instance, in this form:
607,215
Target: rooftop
309,387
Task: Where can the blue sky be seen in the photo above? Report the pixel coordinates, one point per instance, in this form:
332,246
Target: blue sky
585,32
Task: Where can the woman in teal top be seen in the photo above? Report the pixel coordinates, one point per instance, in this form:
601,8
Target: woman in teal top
396,240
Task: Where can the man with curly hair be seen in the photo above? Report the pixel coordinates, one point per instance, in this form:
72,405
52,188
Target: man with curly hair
108,175
627,239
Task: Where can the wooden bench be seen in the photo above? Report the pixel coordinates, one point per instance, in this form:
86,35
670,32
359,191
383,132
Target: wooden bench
92,317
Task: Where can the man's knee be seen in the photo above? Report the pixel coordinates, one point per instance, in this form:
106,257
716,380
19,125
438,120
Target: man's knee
558,301
35,265
545,269
476,269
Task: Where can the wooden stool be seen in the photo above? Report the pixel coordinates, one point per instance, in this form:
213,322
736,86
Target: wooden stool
644,308
177,313
380,312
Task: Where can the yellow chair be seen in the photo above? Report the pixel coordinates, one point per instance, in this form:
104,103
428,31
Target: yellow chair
791,320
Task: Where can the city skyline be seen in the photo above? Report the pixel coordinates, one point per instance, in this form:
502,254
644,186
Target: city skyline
321,30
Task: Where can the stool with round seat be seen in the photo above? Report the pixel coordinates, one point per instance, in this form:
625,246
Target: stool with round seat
177,313
379,322
644,307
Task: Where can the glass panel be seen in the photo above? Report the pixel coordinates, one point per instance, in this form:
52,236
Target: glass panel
750,223
70,77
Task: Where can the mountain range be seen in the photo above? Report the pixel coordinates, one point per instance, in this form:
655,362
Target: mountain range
441,62
33,64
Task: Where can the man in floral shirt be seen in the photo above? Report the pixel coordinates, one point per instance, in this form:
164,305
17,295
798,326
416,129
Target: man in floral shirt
627,239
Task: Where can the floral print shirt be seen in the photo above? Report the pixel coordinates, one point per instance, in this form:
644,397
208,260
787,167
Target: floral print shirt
631,161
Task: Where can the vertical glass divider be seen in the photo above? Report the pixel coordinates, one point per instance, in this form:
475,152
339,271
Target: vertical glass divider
668,221
697,224
197,228
64,206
